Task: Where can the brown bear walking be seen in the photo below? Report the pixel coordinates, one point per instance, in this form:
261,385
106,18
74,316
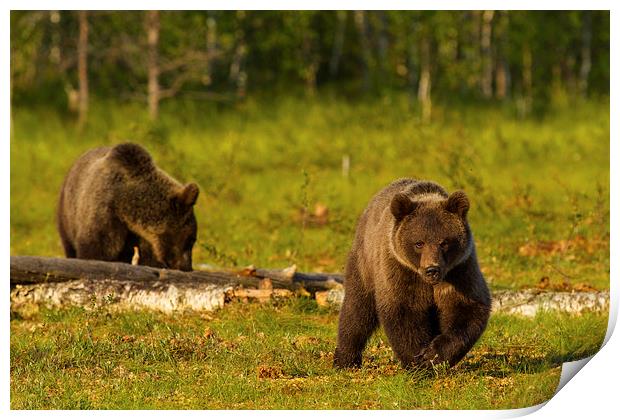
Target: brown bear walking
413,269
115,199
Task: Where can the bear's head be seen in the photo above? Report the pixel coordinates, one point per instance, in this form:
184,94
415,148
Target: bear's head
171,241
430,236
155,207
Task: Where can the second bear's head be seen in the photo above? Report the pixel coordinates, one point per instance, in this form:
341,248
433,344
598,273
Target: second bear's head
156,207
430,234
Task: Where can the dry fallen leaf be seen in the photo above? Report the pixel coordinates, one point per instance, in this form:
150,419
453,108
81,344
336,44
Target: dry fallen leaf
269,372
248,271
208,333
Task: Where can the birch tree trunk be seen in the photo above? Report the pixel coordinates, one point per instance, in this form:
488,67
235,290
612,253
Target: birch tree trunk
424,85
362,28
211,47
586,52
82,54
382,44
502,70
311,60
486,79
501,79
412,59
527,79
152,34
237,73
334,62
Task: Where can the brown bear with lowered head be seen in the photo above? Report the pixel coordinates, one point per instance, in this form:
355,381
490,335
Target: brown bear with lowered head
115,198
413,270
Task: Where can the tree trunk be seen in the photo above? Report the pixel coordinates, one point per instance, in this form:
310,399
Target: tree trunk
382,45
424,86
412,59
211,47
502,70
152,34
586,52
501,79
362,28
473,38
527,80
82,54
334,62
237,73
486,78
311,60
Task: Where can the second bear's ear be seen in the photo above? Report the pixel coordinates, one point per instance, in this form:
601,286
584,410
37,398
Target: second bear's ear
401,206
189,195
458,203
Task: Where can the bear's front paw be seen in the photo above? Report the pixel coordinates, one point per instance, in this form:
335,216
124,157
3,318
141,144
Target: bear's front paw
438,351
347,360
420,361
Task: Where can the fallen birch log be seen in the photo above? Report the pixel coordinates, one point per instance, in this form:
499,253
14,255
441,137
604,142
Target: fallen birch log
36,270
519,302
123,295
61,282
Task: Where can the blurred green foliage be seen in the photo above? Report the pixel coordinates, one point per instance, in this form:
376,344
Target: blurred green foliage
535,53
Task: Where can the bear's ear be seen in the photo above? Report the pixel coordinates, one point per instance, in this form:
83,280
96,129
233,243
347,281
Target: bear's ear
188,195
458,203
401,206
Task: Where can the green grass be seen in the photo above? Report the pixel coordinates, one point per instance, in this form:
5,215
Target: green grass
264,166
271,356
539,189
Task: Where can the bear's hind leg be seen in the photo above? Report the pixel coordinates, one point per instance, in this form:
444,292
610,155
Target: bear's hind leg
64,240
104,245
69,250
358,320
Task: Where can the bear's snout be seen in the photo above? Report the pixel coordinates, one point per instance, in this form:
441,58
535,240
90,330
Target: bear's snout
183,262
433,272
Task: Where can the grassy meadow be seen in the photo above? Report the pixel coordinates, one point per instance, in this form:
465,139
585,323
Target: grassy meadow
274,193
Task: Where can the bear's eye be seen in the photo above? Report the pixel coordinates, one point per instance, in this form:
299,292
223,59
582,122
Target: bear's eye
419,244
444,244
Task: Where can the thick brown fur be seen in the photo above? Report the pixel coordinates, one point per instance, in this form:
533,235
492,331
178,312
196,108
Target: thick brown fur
115,198
413,270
